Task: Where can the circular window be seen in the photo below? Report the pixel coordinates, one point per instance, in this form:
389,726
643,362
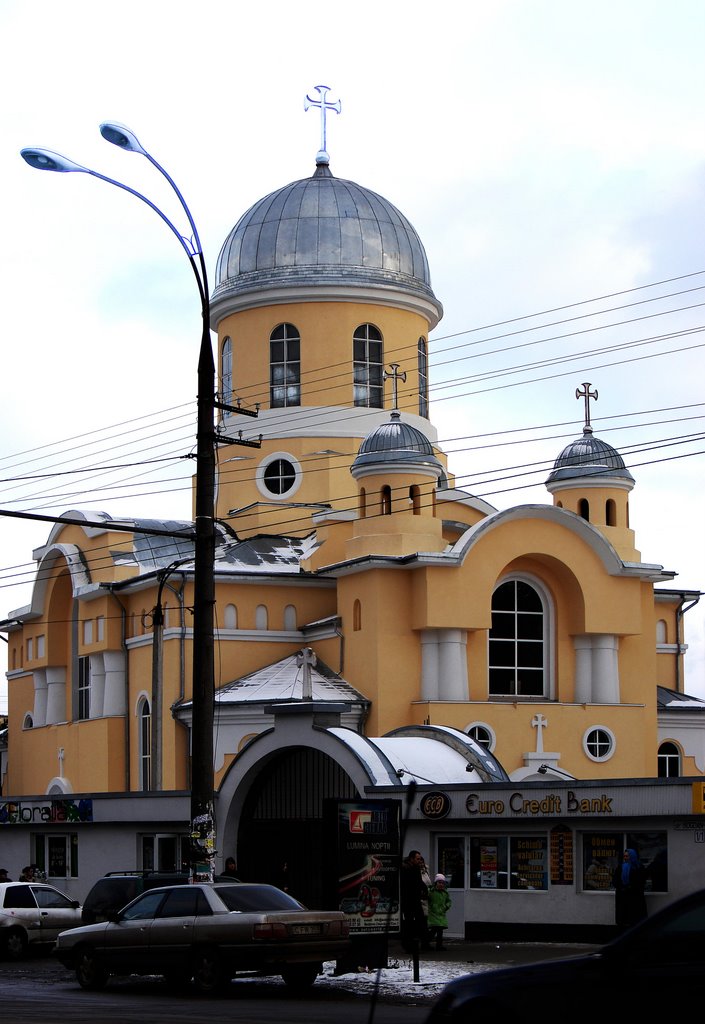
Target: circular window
482,734
599,743
279,475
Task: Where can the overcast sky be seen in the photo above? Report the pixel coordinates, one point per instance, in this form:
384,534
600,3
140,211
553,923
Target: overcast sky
550,154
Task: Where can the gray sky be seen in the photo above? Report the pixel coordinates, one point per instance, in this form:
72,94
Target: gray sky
548,153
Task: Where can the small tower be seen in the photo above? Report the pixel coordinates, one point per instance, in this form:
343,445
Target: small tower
397,474
589,478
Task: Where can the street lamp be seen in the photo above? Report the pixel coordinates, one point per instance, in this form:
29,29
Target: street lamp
202,811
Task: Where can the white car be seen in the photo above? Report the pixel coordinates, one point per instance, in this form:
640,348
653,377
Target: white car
33,914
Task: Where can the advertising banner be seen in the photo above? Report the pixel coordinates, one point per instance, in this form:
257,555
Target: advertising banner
368,835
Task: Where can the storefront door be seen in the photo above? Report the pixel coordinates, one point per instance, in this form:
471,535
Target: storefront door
451,861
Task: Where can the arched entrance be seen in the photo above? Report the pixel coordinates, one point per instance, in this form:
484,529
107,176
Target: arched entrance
282,822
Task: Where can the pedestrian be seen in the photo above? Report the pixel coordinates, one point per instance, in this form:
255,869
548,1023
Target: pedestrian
230,869
27,874
412,892
4,877
629,899
439,904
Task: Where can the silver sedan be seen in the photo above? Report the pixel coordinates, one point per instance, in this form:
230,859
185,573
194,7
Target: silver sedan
210,933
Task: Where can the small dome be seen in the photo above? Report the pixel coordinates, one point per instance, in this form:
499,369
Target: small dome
325,233
396,442
588,456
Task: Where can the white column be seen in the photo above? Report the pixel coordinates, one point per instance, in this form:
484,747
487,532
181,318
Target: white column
452,665
429,664
39,715
605,669
583,669
115,697
56,695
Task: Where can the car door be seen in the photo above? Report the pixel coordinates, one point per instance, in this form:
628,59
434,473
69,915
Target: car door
56,911
171,931
126,941
20,906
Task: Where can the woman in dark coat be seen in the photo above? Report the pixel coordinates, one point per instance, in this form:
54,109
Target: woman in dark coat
629,899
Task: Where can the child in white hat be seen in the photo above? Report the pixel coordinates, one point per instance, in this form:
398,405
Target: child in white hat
438,905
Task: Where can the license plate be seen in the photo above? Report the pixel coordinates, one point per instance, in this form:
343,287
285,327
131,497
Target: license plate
305,929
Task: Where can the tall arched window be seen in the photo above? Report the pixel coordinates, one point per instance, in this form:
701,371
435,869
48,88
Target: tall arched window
584,509
261,617
363,503
669,761
284,366
415,499
226,374
423,377
386,500
357,615
145,743
290,617
611,512
518,663
230,616
368,358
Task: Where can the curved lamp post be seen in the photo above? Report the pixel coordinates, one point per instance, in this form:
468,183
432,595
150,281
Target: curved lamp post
202,812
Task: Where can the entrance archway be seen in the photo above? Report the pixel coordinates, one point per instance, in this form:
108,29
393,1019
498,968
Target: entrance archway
282,822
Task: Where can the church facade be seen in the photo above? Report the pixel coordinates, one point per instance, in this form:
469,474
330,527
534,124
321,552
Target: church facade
375,623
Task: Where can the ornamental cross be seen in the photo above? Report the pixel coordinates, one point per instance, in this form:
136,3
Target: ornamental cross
394,375
322,154
539,722
587,394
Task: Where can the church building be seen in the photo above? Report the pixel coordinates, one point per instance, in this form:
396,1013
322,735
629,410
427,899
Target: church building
375,624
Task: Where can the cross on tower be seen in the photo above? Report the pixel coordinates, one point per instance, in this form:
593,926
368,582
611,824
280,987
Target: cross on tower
587,394
394,375
322,154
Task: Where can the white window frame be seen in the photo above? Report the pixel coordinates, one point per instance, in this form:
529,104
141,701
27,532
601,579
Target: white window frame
548,639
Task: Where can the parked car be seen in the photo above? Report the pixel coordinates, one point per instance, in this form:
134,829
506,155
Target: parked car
207,932
648,971
33,914
116,889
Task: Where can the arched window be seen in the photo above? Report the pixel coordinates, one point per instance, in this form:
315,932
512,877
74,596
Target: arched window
611,512
284,366
363,503
669,761
226,374
230,616
368,358
386,500
261,617
144,713
518,661
584,509
661,634
28,722
290,617
357,616
415,499
423,378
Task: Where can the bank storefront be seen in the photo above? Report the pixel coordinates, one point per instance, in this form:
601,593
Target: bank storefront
538,859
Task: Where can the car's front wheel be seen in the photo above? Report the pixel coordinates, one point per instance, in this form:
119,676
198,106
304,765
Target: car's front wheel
90,973
300,976
208,975
15,943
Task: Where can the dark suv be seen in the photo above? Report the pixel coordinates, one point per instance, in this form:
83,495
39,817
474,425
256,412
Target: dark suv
117,888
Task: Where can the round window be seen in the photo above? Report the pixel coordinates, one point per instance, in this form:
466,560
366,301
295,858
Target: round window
279,475
599,743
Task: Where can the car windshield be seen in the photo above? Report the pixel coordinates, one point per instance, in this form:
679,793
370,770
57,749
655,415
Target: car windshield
256,897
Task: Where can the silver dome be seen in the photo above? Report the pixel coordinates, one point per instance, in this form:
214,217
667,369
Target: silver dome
588,456
323,232
395,442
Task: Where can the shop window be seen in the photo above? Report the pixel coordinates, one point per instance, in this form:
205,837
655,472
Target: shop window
56,855
164,851
368,382
518,641
509,862
602,854
669,761
423,377
285,366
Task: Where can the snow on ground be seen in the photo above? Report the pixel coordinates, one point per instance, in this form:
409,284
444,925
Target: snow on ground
397,980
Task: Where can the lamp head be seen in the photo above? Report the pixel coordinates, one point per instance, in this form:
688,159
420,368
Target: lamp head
120,135
47,160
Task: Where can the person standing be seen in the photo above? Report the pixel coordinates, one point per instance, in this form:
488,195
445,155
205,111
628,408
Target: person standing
412,892
439,904
629,899
230,869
